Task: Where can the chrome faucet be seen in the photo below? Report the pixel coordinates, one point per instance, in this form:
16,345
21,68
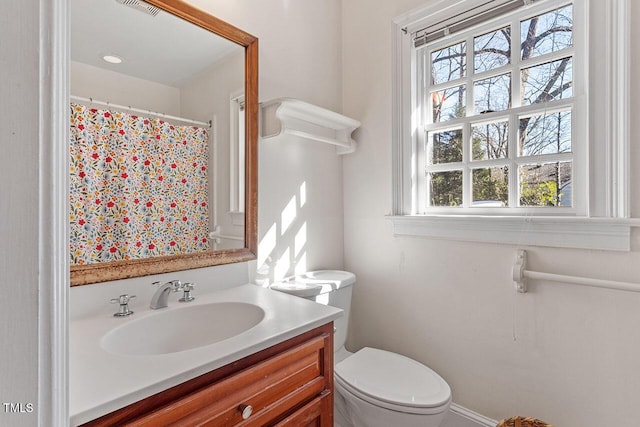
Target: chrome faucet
187,288
124,309
159,299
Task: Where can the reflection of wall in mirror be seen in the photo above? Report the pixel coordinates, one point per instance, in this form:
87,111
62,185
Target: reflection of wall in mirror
88,81
225,79
205,97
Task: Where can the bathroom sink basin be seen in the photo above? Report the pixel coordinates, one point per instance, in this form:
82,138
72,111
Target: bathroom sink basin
180,329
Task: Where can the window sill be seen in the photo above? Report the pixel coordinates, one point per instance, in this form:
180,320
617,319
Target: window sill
558,232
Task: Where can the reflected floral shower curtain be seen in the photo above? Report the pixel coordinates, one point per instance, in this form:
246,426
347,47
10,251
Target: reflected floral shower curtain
138,187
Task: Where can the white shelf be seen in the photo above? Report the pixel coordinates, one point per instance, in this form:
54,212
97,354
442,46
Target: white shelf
287,116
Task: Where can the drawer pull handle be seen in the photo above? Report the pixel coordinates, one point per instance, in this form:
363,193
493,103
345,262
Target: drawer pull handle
246,411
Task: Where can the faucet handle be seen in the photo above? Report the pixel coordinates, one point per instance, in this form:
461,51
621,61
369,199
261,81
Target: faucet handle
186,289
123,300
176,285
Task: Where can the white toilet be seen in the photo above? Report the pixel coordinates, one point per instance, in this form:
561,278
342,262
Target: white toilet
374,388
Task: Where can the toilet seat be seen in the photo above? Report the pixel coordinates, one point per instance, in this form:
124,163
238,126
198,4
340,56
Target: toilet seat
392,381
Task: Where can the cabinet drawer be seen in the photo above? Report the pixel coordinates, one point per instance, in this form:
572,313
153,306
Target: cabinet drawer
284,381
317,413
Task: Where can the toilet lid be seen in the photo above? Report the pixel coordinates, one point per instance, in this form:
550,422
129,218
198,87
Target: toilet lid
299,289
315,283
393,378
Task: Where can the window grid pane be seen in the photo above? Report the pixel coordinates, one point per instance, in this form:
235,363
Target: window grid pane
547,82
546,184
445,147
449,63
492,94
446,188
491,187
545,134
492,50
490,141
449,104
546,33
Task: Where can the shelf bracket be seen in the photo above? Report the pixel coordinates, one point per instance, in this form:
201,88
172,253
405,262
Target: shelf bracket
519,267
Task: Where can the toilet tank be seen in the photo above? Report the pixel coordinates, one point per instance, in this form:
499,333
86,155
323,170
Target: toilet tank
328,287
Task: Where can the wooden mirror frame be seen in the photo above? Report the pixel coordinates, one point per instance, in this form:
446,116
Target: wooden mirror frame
103,272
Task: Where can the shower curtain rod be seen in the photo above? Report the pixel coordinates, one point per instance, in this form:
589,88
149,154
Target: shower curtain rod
138,110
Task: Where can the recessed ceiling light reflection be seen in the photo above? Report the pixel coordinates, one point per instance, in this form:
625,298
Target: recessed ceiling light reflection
112,59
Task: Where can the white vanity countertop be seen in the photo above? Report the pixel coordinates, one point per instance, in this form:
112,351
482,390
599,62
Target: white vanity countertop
101,382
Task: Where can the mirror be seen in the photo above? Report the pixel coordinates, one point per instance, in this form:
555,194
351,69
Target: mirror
163,145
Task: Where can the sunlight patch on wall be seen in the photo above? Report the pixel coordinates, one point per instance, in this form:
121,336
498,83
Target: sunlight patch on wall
282,250
301,264
282,266
300,240
266,246
303,194
288,215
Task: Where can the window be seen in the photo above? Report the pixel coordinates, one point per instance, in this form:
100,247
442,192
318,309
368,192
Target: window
499,135
498,112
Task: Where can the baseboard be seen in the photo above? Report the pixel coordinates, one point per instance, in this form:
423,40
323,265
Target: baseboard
459,416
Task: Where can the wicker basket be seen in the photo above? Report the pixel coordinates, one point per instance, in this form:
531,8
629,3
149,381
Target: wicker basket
522,422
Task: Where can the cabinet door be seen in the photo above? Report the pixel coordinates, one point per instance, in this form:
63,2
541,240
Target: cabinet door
271,388
317,413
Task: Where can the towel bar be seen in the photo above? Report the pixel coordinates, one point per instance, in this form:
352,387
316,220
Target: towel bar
520,274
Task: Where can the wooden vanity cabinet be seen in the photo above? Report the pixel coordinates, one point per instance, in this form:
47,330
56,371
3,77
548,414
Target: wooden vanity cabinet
289,384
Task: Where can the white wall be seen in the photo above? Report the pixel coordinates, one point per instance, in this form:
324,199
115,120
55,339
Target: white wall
300,45
563,353
88,81
19,173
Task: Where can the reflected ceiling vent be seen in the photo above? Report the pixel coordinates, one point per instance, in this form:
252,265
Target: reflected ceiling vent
141,6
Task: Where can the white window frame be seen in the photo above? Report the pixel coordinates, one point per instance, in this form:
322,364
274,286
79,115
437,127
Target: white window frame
602,222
